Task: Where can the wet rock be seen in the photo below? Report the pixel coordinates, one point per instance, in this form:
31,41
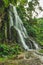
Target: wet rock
26,58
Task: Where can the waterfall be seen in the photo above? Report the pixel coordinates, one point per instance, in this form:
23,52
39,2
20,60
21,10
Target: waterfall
17,23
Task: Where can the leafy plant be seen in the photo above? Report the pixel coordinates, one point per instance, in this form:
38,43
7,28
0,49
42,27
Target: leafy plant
6,50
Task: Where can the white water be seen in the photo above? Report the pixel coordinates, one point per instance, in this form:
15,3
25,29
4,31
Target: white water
18,25
11,20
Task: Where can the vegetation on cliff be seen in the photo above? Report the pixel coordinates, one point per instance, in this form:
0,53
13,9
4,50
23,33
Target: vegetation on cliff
34,25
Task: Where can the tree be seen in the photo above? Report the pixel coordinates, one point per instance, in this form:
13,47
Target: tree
28,8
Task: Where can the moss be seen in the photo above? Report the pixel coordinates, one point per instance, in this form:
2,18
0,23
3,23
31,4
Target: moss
2,59
41,51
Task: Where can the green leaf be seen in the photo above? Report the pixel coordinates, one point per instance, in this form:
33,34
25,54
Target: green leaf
6,3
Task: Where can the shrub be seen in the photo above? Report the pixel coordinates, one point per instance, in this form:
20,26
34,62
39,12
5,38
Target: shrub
6,50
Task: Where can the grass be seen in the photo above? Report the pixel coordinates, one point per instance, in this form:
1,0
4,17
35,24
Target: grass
3,59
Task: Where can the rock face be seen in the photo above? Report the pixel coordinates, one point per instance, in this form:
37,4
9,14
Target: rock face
30,62
26,58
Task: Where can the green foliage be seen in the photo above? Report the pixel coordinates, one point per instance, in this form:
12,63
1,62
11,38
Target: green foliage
40,31
6,3
41,51
35,30
6,50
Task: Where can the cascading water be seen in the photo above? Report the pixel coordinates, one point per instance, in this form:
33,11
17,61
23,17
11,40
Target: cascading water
18,25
